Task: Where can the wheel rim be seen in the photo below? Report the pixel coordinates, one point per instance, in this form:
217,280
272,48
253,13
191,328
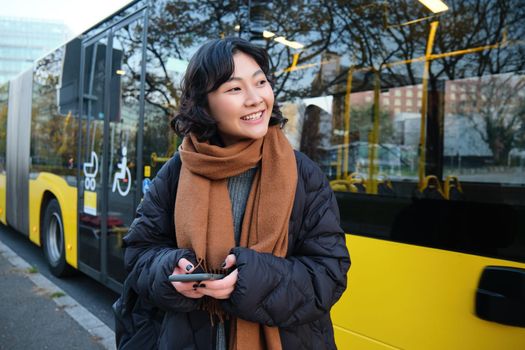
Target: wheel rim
54,238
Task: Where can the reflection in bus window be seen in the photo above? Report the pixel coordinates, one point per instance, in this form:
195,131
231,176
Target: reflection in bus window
55,112
484,133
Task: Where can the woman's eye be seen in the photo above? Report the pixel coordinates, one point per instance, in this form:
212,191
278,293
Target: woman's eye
262,82
234,89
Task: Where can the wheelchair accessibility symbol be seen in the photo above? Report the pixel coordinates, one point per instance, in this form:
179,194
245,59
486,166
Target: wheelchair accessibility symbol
122,178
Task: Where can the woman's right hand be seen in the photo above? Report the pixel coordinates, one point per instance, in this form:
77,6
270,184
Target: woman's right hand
186,288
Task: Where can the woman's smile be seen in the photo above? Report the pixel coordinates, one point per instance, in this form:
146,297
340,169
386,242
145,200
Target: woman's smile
254,117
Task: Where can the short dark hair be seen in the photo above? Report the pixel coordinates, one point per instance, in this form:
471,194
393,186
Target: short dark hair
210,67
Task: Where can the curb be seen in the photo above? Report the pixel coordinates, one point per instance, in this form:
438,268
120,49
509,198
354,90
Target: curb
94,326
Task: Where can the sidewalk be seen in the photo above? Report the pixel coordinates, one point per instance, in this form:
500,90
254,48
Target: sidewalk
36,314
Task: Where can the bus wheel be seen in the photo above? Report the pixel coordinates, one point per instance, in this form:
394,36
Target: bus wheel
53,240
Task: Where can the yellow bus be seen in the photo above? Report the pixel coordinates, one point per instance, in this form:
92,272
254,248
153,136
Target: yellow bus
414,109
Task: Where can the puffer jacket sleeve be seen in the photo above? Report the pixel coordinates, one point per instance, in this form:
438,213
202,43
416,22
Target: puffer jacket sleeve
302,287
151,252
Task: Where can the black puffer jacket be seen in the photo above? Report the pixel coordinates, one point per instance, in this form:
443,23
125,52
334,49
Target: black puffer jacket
294,294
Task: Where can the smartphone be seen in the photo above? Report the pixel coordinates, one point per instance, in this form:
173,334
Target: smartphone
195,277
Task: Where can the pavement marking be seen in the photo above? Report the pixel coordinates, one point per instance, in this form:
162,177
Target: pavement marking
104,335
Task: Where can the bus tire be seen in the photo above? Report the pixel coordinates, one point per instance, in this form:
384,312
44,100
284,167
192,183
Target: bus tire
54,242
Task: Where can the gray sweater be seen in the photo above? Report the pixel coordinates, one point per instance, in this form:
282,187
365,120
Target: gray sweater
239,187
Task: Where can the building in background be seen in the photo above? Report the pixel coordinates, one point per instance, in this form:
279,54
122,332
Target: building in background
23,40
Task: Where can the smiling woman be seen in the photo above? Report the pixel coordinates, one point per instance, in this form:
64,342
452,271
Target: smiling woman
246,206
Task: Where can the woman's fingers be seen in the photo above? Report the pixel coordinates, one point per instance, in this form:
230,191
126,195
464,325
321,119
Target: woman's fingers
219,289
185,265
183,286
193,293
188,289
219,294
224,283
223,293
230,261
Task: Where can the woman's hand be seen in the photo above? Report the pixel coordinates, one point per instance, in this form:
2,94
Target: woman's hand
188,289
223,288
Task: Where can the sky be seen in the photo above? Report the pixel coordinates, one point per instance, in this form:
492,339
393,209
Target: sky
79,15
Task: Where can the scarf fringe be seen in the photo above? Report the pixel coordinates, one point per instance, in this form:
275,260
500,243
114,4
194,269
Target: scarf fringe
211,305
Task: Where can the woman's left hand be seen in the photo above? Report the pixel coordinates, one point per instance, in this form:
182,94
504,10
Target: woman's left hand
223,288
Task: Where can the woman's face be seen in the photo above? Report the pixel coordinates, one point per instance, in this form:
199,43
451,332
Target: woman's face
242,106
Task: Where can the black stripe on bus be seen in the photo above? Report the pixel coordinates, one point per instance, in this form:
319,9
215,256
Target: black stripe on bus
489,229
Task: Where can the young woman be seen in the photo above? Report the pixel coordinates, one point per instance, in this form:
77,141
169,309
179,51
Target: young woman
236,199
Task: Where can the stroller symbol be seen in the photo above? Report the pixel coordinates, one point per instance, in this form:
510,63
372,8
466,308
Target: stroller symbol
90,183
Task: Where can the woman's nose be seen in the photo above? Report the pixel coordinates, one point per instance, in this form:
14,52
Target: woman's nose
253,98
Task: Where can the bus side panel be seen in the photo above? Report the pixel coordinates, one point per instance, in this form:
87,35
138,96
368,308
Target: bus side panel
67,199
346,339
17,151
2,199
413,297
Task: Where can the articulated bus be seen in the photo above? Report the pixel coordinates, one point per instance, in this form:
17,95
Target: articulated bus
415,110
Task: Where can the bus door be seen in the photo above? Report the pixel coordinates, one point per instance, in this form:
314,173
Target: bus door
108,190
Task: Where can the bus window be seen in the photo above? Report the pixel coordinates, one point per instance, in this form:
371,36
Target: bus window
54,120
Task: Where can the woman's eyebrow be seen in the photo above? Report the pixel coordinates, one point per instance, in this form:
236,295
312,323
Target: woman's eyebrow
257,72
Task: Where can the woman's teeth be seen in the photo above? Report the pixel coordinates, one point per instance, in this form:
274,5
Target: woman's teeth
252,116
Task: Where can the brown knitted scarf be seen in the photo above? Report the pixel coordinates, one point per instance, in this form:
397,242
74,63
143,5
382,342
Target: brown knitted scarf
203,214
